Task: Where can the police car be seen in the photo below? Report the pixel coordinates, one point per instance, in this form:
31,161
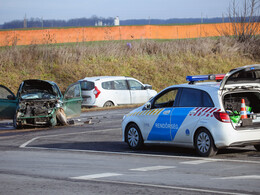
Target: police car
202,115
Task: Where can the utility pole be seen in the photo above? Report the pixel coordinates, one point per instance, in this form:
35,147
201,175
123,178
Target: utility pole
25,21
42,22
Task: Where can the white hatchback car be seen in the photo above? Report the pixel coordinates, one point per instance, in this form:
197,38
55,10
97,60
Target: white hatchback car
201,115
106,91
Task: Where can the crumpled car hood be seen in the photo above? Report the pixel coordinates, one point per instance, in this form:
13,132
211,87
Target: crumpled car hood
37,89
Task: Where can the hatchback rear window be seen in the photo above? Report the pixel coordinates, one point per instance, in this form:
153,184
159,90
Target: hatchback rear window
87,85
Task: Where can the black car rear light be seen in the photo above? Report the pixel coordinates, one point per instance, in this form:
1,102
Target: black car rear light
96,92
222,117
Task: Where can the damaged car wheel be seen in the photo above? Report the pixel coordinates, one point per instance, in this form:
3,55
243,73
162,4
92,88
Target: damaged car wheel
257,147
16,124
61,116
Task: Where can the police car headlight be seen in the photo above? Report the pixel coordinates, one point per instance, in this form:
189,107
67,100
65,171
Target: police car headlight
124,117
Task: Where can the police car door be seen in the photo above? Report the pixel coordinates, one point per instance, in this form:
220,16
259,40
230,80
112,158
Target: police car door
161,127
187,114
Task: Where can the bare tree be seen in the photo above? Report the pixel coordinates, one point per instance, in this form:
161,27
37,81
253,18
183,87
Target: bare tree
244,21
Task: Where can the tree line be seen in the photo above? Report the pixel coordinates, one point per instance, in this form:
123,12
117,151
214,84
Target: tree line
93,21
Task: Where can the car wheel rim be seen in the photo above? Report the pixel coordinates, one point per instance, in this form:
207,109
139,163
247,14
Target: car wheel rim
203,142
133,137
108,104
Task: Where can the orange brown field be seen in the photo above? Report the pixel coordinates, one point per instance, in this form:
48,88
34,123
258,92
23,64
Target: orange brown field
67,35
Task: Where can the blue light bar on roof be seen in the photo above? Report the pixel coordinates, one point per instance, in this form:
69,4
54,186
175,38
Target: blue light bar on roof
197,78
217,77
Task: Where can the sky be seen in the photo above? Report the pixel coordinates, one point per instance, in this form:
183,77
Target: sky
125,9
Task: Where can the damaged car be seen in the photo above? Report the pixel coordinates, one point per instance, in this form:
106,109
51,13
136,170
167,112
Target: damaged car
40,103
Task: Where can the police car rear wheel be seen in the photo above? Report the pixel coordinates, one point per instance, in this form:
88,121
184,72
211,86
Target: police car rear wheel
204,143
133,137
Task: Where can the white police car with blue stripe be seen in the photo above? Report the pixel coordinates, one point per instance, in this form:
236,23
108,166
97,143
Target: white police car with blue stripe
201,115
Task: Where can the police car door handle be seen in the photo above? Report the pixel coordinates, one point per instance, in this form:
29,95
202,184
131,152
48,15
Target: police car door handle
166,112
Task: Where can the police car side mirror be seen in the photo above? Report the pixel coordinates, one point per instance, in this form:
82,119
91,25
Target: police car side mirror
148,106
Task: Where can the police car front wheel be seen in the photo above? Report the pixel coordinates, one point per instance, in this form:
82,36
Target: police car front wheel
204,143
133,137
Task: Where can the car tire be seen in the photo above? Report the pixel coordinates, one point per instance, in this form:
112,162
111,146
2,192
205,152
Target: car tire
61,116
108,104
17,125
204,143
134,137
54,122
257,147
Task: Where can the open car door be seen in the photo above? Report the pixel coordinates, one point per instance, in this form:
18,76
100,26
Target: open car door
72,100
241,78
8,103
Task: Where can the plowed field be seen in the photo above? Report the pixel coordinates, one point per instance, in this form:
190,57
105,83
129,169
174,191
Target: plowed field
66,35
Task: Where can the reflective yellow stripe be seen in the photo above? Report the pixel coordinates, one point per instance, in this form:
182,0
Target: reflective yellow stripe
154,112
145,112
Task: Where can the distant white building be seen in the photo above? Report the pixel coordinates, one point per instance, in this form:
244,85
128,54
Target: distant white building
100,23
116,21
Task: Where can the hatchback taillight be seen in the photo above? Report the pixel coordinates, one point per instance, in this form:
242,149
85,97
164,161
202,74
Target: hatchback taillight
222,117
96,92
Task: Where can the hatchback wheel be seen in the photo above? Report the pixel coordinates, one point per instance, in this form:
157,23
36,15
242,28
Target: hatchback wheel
133,137
204,143
108,104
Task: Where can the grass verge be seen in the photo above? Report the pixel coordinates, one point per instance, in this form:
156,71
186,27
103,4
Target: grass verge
159,63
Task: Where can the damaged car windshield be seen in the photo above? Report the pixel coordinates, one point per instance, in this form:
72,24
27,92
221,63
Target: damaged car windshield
37,95
38,90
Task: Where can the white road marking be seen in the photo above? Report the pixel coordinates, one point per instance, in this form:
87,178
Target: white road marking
200,190
152,168
57,135
241,177
195,162
28,142
96,176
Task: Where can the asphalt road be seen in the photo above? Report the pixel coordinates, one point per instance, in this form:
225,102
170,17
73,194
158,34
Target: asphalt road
90,158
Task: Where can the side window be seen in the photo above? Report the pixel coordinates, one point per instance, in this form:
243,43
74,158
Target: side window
73,92
191,98
4,93
166,100
109,85
120,85
207,101
134,85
